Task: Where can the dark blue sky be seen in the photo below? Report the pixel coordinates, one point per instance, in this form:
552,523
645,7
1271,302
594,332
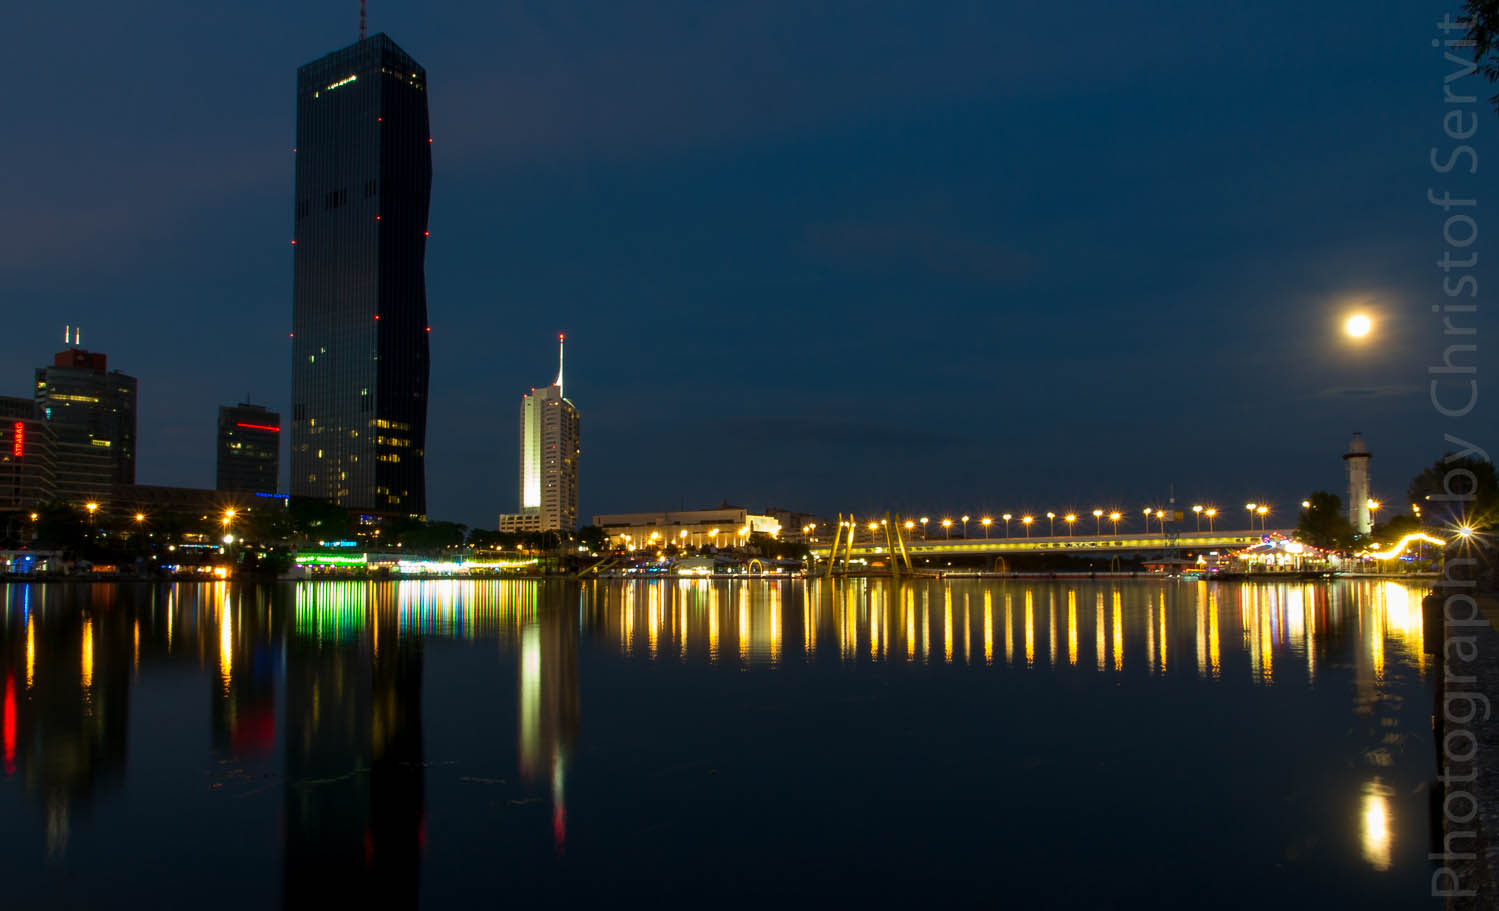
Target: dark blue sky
934,257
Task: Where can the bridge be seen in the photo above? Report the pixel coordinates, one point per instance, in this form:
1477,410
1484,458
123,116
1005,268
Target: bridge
887,540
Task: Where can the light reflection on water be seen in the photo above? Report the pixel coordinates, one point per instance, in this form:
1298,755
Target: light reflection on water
321,685
1162,629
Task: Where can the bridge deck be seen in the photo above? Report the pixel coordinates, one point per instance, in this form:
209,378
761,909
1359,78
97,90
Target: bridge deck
1186,540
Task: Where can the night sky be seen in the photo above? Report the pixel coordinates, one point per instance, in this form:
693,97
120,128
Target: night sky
946,258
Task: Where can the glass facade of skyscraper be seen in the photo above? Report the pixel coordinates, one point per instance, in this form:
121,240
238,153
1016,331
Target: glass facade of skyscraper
359,302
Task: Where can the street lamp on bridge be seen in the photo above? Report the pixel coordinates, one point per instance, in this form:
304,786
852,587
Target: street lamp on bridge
986,522
1051,519
947,527
1069,519
1115,517
1098,521
1007,517
1210,512
1262,510
1251,508
1026,521
1198,511
923,528
965,528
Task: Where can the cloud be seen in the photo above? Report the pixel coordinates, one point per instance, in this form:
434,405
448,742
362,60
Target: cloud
811,431
1393,390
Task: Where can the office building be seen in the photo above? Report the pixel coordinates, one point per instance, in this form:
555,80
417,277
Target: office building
359,298
91,413
27,458
249,448
549,450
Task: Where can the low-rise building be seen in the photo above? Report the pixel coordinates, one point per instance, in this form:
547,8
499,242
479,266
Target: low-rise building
726,526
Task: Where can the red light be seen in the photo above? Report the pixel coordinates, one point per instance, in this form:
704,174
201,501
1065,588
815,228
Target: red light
260,427
377,218
429,328
379,119
377,316
291,335
429,138
10,724
18,448
293,243
427,233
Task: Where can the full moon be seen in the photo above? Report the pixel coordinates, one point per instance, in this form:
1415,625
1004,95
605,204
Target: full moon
1358,325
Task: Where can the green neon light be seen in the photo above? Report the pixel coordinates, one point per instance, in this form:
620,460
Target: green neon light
331,559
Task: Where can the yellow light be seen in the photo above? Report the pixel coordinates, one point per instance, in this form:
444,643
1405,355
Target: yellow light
1210,512
923,520
1250,506
712,532
91,507
910,525
1149,511
1404,542
1358,325
873,526
1069,517
229,513
1051,515
1098,514
1007,517
140,517
1027,519
947,523
1465,531
1306,504
1197,509
1262,510
986,521
1114,517
965,518
1373,504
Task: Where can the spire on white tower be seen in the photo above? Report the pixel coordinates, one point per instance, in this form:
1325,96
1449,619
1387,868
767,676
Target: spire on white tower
561,337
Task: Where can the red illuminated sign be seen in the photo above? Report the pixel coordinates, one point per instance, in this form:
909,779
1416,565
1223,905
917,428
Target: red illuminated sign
259,427
18,447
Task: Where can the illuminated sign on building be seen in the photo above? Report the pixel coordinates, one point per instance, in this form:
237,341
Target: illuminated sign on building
259,427
18,445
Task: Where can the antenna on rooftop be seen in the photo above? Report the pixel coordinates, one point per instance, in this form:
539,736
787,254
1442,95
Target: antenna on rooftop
361,19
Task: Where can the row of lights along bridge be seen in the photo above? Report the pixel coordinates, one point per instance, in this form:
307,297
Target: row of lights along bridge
1151,514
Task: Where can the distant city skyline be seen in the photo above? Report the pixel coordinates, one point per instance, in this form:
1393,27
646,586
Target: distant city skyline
926,262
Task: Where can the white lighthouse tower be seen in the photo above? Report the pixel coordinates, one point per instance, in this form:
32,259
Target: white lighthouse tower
1357,457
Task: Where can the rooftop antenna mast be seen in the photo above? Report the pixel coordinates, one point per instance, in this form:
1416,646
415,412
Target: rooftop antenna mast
361,19
561,337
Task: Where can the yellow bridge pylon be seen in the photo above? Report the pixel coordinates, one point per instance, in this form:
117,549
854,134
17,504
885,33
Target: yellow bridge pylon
893,531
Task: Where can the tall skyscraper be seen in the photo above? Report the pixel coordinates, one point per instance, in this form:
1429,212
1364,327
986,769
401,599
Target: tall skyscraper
249,448
359,294
549,450
91,412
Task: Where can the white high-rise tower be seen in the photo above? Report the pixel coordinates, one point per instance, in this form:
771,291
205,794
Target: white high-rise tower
1357,457
549,449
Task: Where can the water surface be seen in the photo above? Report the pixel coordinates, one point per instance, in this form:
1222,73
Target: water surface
445,744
